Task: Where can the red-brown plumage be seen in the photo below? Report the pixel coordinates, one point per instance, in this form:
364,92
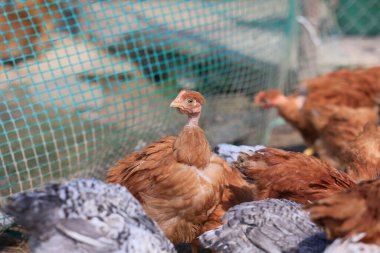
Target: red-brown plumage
320,98
178,180
290,175
361,157
354,211
343,127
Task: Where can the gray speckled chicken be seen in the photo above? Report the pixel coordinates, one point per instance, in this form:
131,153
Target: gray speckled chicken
271,225
352,245
85,215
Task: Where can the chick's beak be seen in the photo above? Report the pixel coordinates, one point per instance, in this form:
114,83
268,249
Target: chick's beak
175,104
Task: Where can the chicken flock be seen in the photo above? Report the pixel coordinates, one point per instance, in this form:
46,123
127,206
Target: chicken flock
238,198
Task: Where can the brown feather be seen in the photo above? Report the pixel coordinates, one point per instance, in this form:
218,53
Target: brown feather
358,88
344,125
351,212
178,180
294,176
362,155
193,95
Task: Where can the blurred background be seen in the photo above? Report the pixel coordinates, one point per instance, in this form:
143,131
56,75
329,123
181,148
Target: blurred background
82,83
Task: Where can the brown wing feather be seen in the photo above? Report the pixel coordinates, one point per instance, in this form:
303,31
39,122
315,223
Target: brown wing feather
294,176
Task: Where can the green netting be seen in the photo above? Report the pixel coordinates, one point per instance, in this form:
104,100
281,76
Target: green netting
359,17
82,83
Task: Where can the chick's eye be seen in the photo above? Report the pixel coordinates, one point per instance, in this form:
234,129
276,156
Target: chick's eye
190,101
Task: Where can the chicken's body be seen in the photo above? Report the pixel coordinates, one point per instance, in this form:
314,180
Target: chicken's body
270,225
351,212
354,89
290,175
362,155
178,180
236,191
86,216
343,127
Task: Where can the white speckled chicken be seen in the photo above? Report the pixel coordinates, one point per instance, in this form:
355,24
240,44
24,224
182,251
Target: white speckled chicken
85,215
271,225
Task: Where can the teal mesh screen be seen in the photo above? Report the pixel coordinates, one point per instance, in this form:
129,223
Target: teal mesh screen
82,83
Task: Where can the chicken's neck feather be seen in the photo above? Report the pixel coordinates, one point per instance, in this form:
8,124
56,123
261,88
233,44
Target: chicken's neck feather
192,147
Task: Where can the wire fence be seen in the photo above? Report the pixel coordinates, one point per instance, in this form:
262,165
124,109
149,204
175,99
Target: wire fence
334,34
82,83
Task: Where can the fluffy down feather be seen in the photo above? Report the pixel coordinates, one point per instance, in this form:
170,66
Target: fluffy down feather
270,225
83,216
290,175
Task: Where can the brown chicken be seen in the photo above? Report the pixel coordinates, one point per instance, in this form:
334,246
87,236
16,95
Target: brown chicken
178,180
349,88
350,212
361,158
290,175
25,27
343,126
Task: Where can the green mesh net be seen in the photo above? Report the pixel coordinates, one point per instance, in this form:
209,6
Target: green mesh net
82,83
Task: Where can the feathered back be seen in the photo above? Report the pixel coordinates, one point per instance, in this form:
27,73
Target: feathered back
86,215
270,225
291,175
363,154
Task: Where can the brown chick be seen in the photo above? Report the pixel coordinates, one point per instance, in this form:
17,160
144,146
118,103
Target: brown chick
290,175
347,213
343,126
361,158
178,180
25,27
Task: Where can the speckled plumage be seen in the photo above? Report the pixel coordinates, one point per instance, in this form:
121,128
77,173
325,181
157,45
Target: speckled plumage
231,152
271,225
85,215
352,245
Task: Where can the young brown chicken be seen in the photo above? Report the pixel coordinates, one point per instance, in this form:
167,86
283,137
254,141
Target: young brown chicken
289,175
178,180
351,212
361,158
307,112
